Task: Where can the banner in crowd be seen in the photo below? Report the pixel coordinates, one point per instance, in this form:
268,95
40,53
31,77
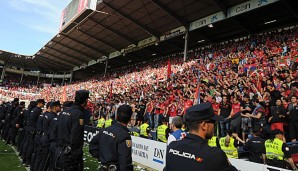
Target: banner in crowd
153,154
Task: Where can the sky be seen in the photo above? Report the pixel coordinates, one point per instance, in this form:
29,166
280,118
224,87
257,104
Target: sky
27,25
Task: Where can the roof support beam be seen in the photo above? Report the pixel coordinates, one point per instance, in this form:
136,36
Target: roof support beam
223,7
51,63
77,62
70,63
170,13
47,62
88,46
79,52
123,36
290,7
102,41
143,27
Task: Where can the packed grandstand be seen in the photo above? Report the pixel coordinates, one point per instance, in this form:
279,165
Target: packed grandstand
251,82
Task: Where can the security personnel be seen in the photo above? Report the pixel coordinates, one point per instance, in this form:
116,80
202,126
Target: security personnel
229,144
176,126
31,132
112,145
144,129
214,142
101,123
192,153
71,134
108,122
9,117
27,112
43,160
3,109
277,152
53,130
14,128
163,131
256,147
36,157
134,133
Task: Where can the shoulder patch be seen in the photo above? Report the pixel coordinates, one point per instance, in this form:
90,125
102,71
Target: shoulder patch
128,143
81,121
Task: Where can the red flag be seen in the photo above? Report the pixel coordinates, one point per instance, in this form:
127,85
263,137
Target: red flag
111,91
64,94
169,69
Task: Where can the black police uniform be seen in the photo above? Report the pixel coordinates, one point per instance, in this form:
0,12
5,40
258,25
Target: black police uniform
30,133
3,109
193,152
53,142
71,138
112,146
27,113
36,157
9,118
256,147
45,140
14,130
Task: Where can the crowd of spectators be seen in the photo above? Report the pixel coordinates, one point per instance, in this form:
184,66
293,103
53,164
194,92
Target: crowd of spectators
251,81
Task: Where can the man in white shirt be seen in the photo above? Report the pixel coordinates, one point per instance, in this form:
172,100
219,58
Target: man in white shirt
177,133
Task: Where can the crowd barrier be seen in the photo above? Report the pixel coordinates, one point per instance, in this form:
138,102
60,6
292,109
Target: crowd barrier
153,154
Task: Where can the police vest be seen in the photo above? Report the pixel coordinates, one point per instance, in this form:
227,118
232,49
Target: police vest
231,151
143,129
161,133
212,141
108,123
274,149
100,123
134,133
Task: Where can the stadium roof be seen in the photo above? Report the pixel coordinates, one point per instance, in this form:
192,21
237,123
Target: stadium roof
116,25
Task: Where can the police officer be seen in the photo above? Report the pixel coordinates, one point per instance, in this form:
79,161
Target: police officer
3,108
193,153
144,129
256,147
9,117
277,152
53,131
22,137
177,133
14,127
112,145
31,132
163,131
36,157
71,134
43,160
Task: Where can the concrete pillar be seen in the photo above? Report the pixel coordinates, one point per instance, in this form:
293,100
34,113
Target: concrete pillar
185,46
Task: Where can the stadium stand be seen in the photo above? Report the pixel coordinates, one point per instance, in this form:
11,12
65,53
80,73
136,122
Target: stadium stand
258,71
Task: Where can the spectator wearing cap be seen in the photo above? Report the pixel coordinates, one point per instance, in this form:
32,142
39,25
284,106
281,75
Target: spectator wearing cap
112,146
200,119
177,133
277,151
163,131
256,147
71,133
